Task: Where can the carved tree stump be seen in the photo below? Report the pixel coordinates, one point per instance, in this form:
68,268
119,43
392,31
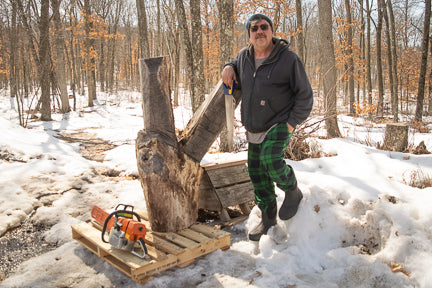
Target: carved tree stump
170,171
396,137
170,179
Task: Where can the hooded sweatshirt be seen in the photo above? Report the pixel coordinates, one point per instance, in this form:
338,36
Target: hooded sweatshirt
277,92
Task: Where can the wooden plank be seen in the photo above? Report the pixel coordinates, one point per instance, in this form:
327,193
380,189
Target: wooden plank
206,123
221,164
228,176
178,239
237,194
207,198
209,231
194,235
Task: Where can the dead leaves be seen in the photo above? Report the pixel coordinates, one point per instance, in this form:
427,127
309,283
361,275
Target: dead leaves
398,268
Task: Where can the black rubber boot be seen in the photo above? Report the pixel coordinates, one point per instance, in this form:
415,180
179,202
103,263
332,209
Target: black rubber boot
291,203
268,220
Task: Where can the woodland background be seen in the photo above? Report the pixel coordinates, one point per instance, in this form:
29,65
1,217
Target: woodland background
369,55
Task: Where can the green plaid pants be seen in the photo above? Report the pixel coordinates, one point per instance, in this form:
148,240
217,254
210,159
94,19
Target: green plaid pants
266,165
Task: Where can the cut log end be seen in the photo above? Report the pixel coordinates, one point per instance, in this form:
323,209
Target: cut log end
396,137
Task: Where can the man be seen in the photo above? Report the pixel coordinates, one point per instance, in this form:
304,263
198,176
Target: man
276,96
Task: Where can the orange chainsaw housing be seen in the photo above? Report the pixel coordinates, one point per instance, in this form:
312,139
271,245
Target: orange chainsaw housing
133,229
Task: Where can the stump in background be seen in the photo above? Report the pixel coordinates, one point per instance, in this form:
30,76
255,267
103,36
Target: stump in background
396,137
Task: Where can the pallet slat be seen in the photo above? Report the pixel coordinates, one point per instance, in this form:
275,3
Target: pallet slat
166,250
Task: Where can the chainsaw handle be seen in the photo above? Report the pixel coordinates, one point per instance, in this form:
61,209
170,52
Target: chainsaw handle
115,213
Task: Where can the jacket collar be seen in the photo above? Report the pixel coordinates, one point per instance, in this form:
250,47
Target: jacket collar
279,44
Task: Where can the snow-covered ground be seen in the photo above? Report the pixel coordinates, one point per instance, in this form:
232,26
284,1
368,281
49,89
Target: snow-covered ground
358,221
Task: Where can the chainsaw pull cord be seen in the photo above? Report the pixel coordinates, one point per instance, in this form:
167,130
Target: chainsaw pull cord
115,213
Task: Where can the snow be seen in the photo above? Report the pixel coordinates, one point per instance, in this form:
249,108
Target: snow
358,214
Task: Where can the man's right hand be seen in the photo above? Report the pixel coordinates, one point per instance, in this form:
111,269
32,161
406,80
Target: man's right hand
228,75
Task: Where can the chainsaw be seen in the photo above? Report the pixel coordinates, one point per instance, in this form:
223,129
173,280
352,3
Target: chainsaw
125,233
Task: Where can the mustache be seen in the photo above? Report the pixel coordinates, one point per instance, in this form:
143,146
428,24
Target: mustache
260,35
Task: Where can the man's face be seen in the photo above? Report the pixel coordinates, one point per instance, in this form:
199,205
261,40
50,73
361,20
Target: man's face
261,34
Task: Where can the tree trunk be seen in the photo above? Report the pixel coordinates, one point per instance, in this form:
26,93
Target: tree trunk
430,82
90,60
60,58
368,54
300,38
423,67
350,68
395,102
389,53
226,14
13,38
197,54
363,50
44,58
187,45
380,108
170,178
328,64
143,28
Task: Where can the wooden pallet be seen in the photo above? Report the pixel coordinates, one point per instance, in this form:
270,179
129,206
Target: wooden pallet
166,250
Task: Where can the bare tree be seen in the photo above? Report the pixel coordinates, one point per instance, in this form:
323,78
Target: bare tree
60,58
328,66
44,58
395,99
368,53
226,16
380,109
350,68
187,46
90,60
142,28
197,54
13,38
389,52
300,37
425,48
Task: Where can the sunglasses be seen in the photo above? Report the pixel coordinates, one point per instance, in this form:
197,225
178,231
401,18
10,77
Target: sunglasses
255,28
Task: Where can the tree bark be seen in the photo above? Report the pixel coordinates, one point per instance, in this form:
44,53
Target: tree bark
380,108
143,28
328,67
197,54
423,66
300,38
395,102
90,58
226,14
349,51
60,58
187,46
368,54
389,52
44,58
12,56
